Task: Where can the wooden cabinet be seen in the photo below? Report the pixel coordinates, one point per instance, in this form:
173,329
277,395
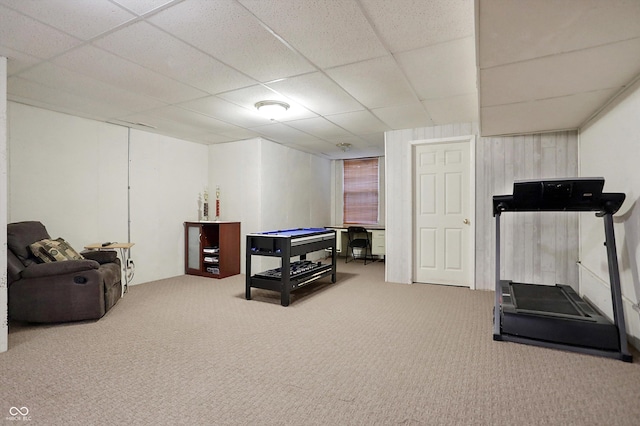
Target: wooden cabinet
377,243
212,249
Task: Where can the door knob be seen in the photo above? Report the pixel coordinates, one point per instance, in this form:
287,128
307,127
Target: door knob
466,221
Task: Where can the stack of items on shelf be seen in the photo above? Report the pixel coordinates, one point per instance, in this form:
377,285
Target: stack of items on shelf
211,258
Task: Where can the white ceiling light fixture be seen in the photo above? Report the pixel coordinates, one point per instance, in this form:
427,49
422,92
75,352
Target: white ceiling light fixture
272,109
344,146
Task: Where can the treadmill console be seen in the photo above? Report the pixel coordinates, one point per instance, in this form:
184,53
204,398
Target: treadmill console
563,194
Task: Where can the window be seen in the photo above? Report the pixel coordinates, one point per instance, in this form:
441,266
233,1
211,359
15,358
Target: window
360,190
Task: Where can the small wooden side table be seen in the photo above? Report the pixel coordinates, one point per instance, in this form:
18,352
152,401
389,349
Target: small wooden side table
125,255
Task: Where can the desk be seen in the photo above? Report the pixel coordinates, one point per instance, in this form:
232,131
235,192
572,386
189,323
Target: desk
125,255
377,237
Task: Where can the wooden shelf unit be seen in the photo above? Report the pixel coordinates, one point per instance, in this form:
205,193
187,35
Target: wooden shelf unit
212,249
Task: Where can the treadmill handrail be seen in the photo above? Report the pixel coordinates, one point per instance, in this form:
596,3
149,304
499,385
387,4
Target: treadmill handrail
609,203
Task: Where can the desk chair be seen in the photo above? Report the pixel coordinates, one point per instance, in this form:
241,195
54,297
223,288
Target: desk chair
359,238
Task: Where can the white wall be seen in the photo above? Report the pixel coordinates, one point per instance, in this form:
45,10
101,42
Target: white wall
235,168
610,147
4,323
167,176
268,186
71,174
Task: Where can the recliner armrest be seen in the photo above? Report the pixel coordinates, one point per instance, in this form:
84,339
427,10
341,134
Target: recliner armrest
100,256
59,268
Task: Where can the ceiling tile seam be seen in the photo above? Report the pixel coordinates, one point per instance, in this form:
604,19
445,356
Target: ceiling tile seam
553,97
309,61
567,52
302,131
391,54
149,13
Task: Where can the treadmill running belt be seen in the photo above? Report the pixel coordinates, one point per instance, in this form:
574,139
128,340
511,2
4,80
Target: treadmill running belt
542,298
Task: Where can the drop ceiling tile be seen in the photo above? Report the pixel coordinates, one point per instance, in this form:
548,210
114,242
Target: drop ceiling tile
328,33
443,70
16,60
162,125
67,81
318,127
412,24
512,31
24,34
407,116
359,122
317,93
158,51
142,7
375,83
226,111
280,132
456,109
213,138
563,113
315,147
202,123
240,134
80,18
33,93
111,69
559,75
227,31
249,96
374,139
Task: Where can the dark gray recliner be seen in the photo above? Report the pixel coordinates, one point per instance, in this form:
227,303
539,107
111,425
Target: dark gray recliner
70,290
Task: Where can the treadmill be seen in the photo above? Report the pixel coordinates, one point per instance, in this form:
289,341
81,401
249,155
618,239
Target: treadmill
555,316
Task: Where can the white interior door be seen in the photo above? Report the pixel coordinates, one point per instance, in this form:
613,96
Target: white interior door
442,209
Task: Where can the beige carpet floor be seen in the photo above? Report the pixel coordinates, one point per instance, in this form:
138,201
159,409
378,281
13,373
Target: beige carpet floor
193,351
